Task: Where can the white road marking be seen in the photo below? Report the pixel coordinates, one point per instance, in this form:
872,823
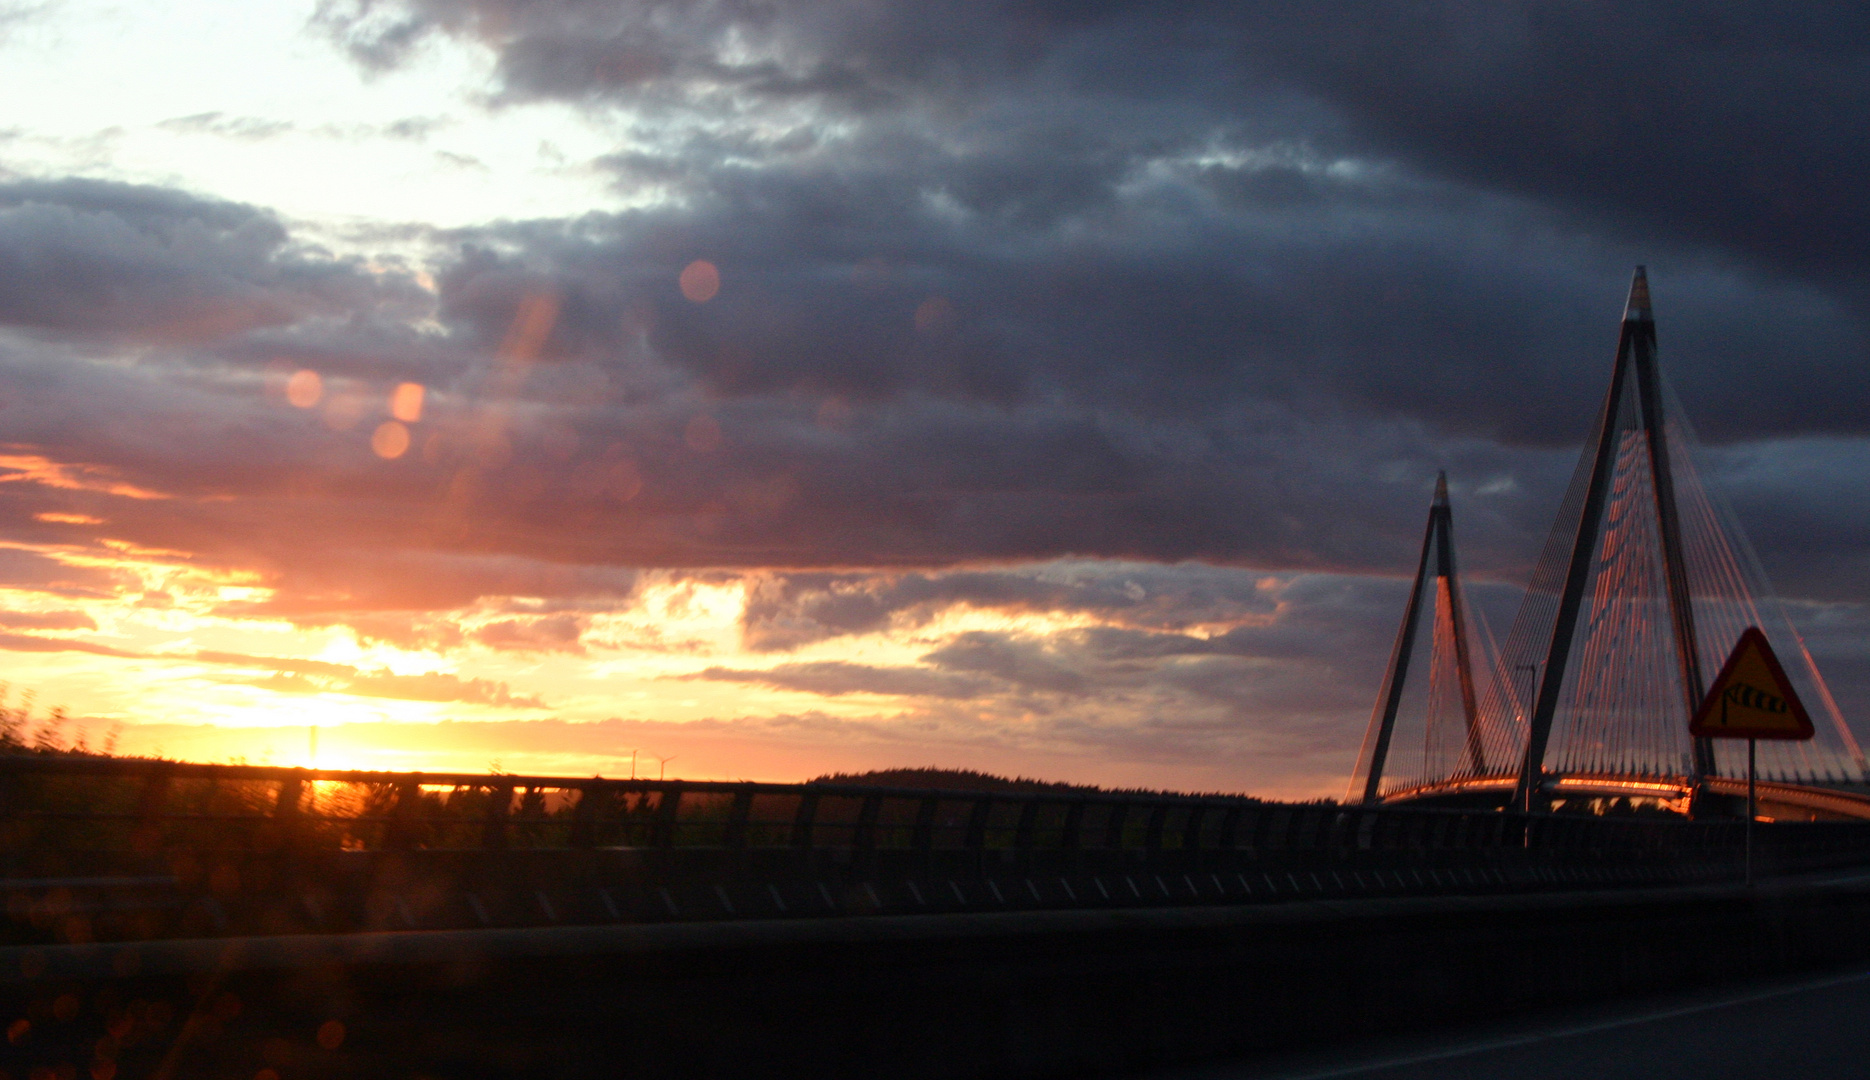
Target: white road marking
1511,1042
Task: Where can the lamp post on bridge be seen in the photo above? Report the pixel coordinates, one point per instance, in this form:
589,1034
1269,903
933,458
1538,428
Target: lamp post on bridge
1532,690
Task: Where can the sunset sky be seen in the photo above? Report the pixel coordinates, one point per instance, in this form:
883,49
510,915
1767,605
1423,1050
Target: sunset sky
785,387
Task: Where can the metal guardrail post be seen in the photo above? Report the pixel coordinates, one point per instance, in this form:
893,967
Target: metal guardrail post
493,835
285,820
1028,824
1275,830
1336,831
1366,835
1113,826
591,795
1191,832
147,834
735,837
863,836
1068,838
802,821
923,839
1306,831
1227,836
1152,828
977,823
1249,834
666,812
286,801
399,834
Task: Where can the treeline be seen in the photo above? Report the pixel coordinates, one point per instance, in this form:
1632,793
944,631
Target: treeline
931,777
23,731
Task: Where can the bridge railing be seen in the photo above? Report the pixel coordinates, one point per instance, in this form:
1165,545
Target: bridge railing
69,804
104,803
126,849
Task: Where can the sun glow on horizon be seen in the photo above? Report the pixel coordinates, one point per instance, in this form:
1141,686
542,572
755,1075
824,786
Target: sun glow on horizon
199,674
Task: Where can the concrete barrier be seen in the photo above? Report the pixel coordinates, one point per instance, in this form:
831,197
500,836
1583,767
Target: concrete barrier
1018,994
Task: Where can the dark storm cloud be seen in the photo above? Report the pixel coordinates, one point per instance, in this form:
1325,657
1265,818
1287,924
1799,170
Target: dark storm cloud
1018,285
833,678
784,611
1307,646
1424,211
998,283
91,256
1021,661
1811,546
1731,125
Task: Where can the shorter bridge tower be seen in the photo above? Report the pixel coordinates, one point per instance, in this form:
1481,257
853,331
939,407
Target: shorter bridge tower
1450,718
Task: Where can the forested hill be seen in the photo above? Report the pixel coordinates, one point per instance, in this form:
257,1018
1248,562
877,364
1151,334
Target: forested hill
969,780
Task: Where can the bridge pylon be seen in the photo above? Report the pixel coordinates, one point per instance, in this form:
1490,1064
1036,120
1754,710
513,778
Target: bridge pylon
1437,591
1631,424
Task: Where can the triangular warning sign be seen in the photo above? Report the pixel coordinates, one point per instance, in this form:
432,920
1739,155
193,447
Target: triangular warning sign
1751,698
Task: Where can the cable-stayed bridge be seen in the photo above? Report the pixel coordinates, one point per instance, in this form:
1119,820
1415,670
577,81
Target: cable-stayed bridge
1645,583
166,919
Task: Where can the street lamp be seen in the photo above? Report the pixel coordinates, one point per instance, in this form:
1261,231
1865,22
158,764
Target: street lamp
1532,704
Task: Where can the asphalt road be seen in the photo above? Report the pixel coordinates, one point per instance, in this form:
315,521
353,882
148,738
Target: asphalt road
1812,1029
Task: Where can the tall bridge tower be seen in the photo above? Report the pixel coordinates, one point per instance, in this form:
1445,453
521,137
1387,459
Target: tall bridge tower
1645,583
1630,435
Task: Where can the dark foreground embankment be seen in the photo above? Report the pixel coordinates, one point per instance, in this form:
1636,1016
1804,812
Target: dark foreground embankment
1032,994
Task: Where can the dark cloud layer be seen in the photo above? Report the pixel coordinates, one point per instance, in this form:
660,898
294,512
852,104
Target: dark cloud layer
832,678
85,255
1334,188
998,282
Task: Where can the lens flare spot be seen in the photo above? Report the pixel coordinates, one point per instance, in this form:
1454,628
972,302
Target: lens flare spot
331,1034
305,388
532,325
700,281
391,440
406,402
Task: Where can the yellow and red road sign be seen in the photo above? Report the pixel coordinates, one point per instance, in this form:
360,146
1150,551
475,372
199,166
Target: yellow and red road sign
1751,698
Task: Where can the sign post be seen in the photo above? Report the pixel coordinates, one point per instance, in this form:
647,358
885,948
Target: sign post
1751,699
